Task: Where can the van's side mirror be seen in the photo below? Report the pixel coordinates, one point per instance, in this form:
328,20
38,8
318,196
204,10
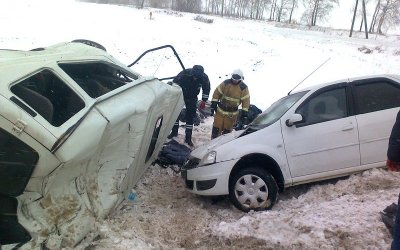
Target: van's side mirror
295,118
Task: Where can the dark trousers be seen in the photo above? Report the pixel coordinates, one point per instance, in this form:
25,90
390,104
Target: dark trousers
191,107
396,232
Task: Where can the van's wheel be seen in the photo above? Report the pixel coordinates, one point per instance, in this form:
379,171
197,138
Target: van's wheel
253,189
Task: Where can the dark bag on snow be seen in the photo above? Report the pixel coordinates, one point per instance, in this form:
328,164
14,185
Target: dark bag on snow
173,153
251,115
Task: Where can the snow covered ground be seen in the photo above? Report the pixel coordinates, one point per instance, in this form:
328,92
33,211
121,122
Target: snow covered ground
341,214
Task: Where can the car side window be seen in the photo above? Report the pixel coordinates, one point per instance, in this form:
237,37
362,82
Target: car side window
97,78
49,96
326,106
375,96
17,161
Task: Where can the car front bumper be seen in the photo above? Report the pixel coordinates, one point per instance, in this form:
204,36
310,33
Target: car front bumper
209,180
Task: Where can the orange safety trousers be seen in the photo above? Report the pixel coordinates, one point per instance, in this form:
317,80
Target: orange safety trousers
224,122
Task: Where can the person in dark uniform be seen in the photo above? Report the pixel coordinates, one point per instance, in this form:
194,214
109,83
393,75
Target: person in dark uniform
393,164
191,81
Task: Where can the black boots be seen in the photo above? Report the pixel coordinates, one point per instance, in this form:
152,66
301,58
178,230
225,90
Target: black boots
188,136
188,140
174,132
214,133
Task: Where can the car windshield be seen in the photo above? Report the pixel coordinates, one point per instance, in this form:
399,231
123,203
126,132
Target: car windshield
275,111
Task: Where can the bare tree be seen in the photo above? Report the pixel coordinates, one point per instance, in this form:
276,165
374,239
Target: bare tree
317,10
359,12
272,11
193,6
162,4
214,6
389,14
261,5
294,5
283,9
374,16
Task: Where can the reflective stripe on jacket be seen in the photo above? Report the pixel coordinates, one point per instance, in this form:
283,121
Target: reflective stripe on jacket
230,96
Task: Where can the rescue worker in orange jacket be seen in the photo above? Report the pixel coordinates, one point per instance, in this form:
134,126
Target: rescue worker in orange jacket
225,102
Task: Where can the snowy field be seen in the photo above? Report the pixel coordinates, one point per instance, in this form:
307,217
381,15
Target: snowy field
341,214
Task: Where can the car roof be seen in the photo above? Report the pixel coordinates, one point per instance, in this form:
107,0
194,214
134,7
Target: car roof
67,50
15,64
348,80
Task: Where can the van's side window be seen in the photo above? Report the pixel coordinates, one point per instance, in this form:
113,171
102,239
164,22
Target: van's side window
326,106
49,96
375,96
97,78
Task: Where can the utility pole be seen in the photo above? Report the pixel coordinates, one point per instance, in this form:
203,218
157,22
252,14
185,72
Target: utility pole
364,18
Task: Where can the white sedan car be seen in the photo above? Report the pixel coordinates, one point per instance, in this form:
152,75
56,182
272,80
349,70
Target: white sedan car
321,132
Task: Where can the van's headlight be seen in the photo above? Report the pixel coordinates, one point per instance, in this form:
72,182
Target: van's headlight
209,158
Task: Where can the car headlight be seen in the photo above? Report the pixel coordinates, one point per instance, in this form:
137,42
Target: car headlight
209,158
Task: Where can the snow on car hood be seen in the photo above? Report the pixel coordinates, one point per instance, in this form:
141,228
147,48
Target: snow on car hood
201,151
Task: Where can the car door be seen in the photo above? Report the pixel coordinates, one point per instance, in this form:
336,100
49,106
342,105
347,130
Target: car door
327,138
45,105
376,105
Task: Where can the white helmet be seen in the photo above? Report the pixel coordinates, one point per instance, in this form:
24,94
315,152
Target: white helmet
237,74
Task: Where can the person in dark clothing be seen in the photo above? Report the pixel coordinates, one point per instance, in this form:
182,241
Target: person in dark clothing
191,81
393,164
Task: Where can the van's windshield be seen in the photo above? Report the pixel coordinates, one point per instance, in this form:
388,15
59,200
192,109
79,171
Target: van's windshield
275,111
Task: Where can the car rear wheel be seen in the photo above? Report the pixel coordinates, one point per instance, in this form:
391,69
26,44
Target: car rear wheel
253,189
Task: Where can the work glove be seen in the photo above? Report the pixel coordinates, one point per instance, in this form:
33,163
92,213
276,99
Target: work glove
213,107
202,105
392,165
239,126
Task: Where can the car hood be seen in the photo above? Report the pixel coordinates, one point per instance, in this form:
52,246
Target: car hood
201,151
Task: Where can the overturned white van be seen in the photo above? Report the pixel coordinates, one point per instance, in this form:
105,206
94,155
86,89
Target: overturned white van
77,131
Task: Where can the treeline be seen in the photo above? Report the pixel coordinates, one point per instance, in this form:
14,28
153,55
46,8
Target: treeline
386,13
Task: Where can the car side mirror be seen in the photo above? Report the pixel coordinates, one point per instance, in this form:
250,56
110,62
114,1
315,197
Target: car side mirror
295,118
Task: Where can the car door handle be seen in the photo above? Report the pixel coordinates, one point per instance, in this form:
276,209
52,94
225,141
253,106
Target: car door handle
348,127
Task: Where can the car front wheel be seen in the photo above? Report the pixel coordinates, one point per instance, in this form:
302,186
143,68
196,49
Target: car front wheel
253,189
